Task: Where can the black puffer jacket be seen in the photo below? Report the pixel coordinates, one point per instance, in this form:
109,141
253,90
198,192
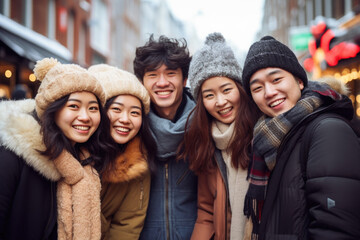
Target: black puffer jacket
325,203
27,179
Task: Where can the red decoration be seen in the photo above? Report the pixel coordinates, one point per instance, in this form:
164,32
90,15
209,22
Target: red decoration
322,39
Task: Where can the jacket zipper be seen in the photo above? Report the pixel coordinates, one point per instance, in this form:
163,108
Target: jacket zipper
167,201
141,193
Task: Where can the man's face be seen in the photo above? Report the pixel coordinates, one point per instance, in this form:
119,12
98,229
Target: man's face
165,87
275,90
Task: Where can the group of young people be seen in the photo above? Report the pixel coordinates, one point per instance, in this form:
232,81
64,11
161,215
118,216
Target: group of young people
254,153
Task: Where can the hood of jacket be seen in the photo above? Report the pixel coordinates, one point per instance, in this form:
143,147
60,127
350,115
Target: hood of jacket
20,133
128,165
336,84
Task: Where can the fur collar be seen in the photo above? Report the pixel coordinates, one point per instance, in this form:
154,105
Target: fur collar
129,165
20,133
336,84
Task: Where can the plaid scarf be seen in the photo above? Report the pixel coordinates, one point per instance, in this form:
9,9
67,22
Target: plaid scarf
268,135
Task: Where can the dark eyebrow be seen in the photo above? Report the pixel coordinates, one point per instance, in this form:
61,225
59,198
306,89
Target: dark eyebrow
121,104
73,99
269,74
223,85
79,101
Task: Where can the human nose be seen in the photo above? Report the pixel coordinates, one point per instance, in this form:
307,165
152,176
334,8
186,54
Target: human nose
124,118
83,115
220,100
162,82
270,91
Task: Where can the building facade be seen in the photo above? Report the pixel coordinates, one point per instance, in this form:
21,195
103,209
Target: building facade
33,29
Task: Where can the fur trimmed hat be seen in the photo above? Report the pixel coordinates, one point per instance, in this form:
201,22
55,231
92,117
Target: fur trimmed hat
59,80
268,52
118,82
214,59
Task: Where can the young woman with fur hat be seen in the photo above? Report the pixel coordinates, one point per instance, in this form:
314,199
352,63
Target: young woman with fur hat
217,141
299,192
126,183
52,149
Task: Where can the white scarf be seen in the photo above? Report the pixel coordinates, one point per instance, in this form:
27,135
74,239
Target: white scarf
222,135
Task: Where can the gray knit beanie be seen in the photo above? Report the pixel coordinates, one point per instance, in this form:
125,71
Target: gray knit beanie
268,52
214,59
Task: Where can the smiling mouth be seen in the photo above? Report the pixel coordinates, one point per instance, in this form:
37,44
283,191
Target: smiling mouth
122,129
277,102
81,128
225,111
163,93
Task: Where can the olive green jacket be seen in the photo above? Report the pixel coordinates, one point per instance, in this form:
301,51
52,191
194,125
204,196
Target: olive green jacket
125,195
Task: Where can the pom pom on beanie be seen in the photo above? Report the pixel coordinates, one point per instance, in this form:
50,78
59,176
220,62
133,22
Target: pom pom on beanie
214,59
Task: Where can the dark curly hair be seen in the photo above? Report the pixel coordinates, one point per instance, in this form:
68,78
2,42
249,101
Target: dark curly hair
169,51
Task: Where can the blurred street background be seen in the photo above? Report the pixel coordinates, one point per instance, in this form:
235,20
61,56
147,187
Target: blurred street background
324,34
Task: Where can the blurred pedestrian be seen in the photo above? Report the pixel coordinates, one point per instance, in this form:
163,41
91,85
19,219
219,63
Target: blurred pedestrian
20,92
217,142
299,192
125,186
162,66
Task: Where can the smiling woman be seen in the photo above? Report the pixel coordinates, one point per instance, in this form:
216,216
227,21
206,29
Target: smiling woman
217,141
125,185
60,142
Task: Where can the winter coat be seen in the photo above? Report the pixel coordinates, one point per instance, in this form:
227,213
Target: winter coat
214,213
172,209
125,195
320,201
27,178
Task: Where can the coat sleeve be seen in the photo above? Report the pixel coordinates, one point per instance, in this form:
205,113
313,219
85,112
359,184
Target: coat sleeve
128,220
10,168
204,226
333,181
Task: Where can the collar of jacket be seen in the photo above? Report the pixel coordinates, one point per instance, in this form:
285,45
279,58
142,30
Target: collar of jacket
20,133
128,165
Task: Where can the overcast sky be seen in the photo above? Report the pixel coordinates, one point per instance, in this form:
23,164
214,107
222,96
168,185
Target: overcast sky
237,20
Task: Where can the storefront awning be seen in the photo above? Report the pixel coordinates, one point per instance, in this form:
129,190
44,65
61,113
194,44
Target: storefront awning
29,44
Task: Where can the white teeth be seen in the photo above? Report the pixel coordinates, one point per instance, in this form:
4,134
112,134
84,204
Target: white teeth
224,111
121,129
164,93
277,102
83,128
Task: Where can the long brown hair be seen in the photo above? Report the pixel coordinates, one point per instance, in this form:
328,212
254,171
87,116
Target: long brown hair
198,146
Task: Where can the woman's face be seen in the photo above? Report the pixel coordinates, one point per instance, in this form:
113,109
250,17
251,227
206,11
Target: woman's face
79,118
221,98
125,118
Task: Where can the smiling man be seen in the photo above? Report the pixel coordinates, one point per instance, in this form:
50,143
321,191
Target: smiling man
299,192
162,66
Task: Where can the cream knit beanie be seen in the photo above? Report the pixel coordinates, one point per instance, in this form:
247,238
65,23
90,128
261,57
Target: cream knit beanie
59,80
118,82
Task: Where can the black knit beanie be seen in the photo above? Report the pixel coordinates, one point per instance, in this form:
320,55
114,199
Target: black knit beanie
268,52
